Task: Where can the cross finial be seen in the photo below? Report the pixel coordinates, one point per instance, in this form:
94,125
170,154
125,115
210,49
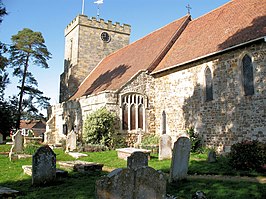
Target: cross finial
188,8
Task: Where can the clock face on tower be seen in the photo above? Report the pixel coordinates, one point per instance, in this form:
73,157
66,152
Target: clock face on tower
105,37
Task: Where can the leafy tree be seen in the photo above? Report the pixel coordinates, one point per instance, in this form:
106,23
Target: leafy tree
7,110
28,48
7,117
3,60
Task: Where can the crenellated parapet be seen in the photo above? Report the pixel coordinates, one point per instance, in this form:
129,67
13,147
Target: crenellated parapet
83,20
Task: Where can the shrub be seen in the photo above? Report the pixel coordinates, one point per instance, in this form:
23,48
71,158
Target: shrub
31,148
195,140
150,140
248,155
99,128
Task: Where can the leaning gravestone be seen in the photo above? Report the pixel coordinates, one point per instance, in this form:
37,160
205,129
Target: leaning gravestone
138,181
43,166
71,141
1,138
180,159
165,147
137,159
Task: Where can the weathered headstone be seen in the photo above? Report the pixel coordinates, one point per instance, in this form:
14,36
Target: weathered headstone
135,182
165,147
137,159
43,166
139,139
18,141
149,183
140,183
180,159
212,156
1,138
71,141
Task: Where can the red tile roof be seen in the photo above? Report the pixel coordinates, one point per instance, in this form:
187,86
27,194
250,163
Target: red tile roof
236,22
116,69
30,124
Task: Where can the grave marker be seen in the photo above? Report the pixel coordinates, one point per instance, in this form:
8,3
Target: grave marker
137,159
18,141
43,166
180,159
71,141
165,147
138,181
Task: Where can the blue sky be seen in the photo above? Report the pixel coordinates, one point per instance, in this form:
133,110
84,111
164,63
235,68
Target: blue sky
50,17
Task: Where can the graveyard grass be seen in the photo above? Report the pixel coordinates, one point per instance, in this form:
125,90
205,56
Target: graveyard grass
83,185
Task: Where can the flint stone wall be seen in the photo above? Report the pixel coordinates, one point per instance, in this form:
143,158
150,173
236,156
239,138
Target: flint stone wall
231,116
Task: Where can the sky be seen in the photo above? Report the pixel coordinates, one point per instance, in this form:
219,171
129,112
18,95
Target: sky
50,17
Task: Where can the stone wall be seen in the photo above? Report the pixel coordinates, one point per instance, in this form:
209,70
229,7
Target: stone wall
143,84
230,117
84,49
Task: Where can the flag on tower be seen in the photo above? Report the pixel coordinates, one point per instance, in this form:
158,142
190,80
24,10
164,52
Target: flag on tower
98,2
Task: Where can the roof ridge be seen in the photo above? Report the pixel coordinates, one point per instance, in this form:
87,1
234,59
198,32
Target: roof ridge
225,4
171,42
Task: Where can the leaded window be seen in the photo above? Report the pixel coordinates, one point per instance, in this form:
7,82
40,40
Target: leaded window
208,85
248,79
132,112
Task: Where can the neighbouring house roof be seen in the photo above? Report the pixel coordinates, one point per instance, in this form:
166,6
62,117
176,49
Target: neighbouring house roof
32,124
116,69
234,23
179,42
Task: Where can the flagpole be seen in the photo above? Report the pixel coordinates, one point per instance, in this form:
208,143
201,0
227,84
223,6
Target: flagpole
83,3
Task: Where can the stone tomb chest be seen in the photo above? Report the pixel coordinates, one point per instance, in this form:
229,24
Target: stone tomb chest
123,153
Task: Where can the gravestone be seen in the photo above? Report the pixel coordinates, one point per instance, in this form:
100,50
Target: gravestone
1,138
71,141
118,184
43,166
138,181
139,139
137,159
149,183
180,159
18,142
212,157
165,147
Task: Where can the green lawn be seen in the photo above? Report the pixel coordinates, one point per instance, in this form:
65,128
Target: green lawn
83,186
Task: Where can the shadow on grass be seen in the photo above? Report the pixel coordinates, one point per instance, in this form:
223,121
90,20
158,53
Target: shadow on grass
217,189
75,185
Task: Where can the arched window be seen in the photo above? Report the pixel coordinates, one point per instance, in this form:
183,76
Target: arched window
133,111
125,116
132,117
248,79
208,85
140,116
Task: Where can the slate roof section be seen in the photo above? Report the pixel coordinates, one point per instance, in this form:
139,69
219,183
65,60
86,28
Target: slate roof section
118,68
234,23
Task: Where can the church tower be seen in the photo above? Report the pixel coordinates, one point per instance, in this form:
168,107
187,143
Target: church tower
87,42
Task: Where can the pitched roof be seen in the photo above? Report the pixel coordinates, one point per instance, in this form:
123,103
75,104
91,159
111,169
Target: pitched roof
30,124
234,23
116,69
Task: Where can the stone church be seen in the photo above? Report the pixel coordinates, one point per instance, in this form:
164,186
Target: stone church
207,73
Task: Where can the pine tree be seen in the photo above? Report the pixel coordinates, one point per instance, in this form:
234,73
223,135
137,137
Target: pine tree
27,49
